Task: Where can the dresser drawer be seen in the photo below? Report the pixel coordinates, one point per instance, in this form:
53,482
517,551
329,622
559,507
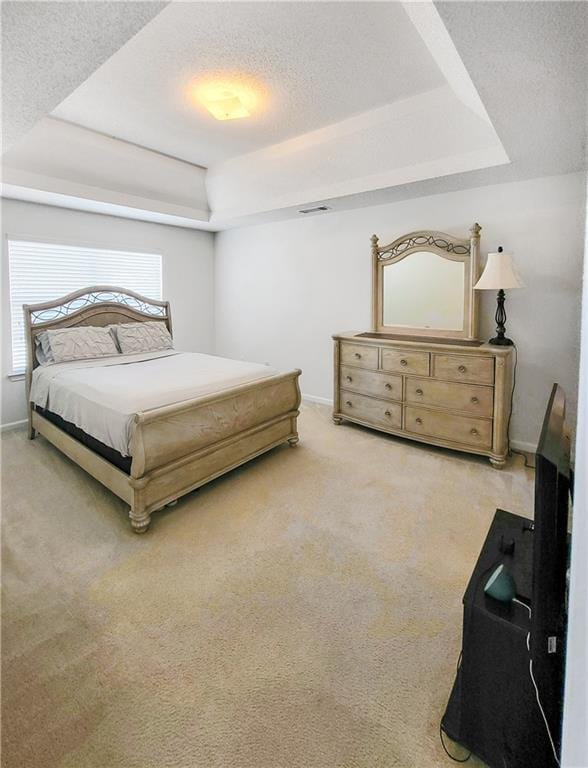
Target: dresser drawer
458,429
372,383
464,368
358,354
470,398
405,361
368,409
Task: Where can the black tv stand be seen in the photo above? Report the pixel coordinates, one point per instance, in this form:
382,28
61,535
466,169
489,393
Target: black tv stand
492,709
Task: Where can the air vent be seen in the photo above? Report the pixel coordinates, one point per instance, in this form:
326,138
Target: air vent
315,210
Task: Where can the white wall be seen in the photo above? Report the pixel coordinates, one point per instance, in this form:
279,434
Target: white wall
283,288
188,273
575,731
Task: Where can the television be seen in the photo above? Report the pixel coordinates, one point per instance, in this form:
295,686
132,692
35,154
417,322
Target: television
550,557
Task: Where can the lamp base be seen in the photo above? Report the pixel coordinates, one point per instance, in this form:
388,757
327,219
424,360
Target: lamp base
501,341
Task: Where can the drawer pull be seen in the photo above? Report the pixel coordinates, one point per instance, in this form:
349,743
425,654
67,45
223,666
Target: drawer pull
473,431
419,391
462,369
349,404
419,420
388,385
403,362
387,413
358,356
475,400
349,378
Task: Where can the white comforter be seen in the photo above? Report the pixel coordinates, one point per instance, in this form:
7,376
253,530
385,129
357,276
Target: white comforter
102,396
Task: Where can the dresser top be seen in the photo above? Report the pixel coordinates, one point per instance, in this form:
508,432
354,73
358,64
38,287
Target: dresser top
422,342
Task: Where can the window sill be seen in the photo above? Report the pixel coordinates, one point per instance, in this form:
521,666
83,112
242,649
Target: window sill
16,376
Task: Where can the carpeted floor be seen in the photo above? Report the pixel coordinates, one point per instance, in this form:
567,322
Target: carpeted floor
303,611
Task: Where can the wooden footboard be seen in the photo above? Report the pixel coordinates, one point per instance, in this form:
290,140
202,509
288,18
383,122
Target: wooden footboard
179,448
165,434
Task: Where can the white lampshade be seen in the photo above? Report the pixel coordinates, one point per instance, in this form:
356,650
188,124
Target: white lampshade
498,273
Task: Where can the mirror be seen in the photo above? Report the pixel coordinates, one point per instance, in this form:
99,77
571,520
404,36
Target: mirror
424,290
423,285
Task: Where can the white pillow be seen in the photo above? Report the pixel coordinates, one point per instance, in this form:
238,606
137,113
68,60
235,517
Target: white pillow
151,336
83,342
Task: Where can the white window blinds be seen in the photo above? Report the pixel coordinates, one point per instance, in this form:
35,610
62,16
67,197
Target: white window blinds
43,272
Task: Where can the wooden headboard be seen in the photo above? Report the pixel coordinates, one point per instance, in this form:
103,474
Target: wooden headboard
96,305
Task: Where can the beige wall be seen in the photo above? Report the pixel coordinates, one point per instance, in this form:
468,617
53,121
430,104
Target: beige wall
187,272
283,288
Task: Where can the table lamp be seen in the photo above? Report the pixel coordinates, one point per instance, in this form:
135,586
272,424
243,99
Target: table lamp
499,274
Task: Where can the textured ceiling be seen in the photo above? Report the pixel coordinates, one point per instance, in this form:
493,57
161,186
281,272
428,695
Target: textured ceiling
320,62
49,48
529,63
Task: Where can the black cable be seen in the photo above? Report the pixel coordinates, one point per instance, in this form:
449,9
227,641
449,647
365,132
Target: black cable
514,383
525,458
455,759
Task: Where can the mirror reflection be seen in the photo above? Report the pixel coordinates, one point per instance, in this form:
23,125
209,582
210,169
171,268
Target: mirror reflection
424,290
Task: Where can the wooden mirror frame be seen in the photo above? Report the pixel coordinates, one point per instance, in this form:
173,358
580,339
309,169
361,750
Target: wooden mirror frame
448,247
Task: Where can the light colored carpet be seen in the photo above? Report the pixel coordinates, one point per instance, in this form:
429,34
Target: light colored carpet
303,611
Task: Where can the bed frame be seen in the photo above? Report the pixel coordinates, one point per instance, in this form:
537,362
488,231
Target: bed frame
176,448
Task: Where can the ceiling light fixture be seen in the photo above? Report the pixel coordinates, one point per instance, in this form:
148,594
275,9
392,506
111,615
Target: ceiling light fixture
227,106
227,99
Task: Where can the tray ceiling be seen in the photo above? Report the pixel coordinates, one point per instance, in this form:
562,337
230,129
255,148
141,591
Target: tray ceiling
319,63
366,103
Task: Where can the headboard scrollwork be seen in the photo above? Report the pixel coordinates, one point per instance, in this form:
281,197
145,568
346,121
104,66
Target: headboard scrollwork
43,313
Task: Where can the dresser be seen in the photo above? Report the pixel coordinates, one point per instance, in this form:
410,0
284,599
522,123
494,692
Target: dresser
455,394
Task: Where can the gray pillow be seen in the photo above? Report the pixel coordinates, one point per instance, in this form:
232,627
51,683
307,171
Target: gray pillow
43,349
81,343
151,336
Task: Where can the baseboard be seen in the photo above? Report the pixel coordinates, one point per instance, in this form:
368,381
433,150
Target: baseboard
319,400
519,445
12,425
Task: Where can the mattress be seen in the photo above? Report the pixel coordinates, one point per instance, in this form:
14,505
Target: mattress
108,453
102,396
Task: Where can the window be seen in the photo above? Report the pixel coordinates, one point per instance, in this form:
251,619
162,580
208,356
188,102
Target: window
44,271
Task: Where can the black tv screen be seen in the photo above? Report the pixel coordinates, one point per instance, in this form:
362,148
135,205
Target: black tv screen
550,556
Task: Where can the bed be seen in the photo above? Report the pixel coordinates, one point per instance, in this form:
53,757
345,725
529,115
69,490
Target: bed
151,427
